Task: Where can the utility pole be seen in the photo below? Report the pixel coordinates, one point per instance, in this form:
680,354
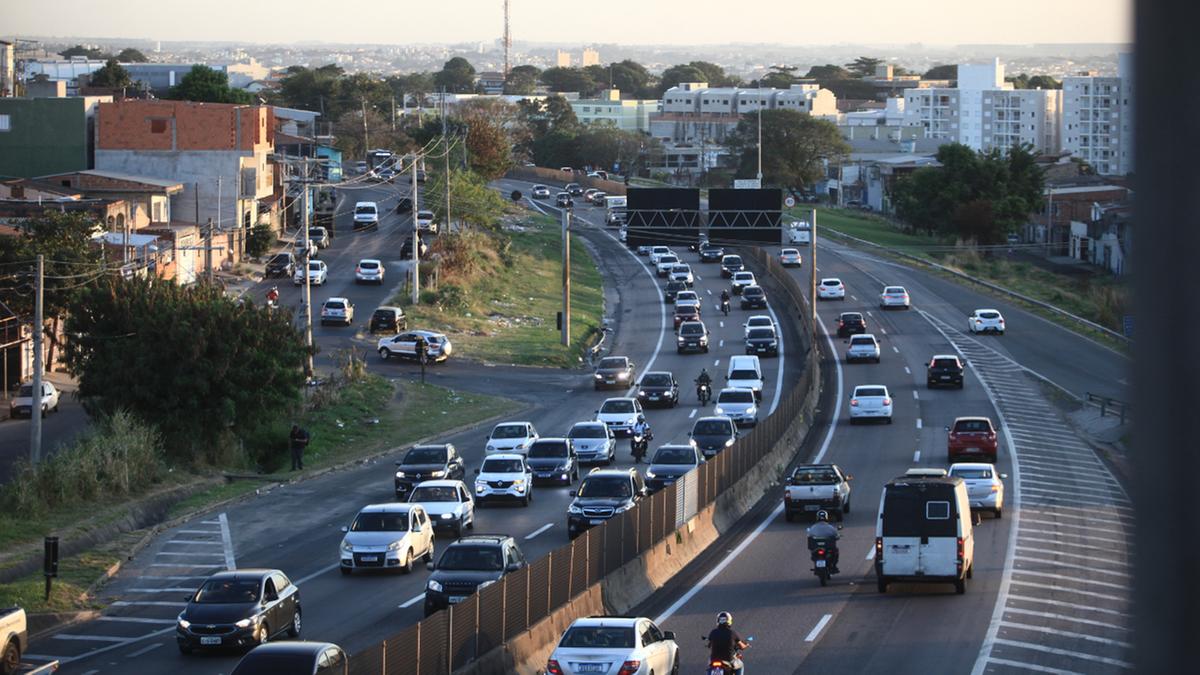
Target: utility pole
366,137
566,276
416,243
35,408
760,139
446,142
208,249
507,40
308,335
812,274
393,113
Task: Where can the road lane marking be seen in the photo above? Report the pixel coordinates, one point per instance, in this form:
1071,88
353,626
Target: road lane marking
883,330
721,324
662,311
854,298
193,555
188,542
917,456
722,344
144,650
412,601
146,603
837,406
209,566
92,638
918,422
871,553
693,414
1061,603
314,575
869,313
1032,666
1059,563
916,395
1019,644
227,542
895,349
709,291
136,619
907,371
197,531
812,635
175,589
538,531
717,362
1052,587
1072,579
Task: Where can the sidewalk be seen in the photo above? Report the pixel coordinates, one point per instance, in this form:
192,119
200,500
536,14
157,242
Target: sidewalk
1108,435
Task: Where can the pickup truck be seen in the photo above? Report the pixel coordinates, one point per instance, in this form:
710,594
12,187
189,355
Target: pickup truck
813,487
14,638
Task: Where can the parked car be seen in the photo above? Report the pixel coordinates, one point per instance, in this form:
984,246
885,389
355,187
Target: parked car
239,608
870,401
790,257
294,658
337,310
831,289
692,337
594,442
281,265
366,216
466,565
387,536
816,487
504,476
448,503
613,371
22,404
985,489
553,459
658,387
318,274
754,297
422,176
404,346
851,323
944,370
619,414
597,643
986,321
894,296
434,461
388,319
515,437
738,405
603,494
863,347
669,464
972,437
369,270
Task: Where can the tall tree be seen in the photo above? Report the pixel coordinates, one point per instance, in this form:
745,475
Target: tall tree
206,85
568,80
65,242
827,72
795,147
131,55
86,52
312,89
473,202
674,75
457,76
112,75
522,80
780,77
864,66
489,146
942,72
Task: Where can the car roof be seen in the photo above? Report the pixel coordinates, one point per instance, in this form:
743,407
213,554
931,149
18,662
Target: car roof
427,333
620,398
246,573
717,418
337,299
298,647
552,439
973,418
439,446
674,445
863,335
986,309
745,389
923,471
602,472
973,465
744,358
760,316
873,386
358,204
944,356
374,260
482,539
387,507
504,455
443,482
614,621
663,372
389,308
824,279
589,423
858,314
514,423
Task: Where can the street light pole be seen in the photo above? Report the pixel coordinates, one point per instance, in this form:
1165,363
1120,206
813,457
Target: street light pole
416,244
35,403
812,273
760,140
308,333
566,276
446,142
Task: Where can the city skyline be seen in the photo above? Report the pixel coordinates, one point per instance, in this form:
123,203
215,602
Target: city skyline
931,22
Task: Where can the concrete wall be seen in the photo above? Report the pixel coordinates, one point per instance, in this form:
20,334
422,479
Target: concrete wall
45,136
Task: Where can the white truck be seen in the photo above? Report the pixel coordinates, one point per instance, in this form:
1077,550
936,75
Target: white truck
614,211
816,487
14,638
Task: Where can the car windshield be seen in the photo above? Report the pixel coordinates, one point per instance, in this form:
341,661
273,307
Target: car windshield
668,260
656,380
315,231
502,466
435,493
743,375
482,558
384,314
752,291
588,431
281,258
711,428
732,260
425,456
611,363
617,407
814,477
216,591
689,310
739,396
425,214
674,455
314,266
743,276
598,637
761,334
972,473
870,391
509,431
675,286
365,209
691,329
606,487
548,449
681,269
26,391
377,521
971,426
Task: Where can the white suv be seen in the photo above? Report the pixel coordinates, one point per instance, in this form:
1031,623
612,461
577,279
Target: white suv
425,222
387,536
339,310
986,321
831,289
511,437
504,476
597,644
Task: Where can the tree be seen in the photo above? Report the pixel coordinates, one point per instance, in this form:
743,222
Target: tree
795,147
65,242
206,369
312,89
549,114
87,52
697,71
473,203
827,72
489,147
864,66
348,129
1023,81
112,75
206,85
942,72
457,76
522,80
605,145
567,80
631,78
131,55
780,77
413,89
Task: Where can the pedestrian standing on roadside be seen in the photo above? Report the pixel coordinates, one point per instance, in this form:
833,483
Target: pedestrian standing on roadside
298,440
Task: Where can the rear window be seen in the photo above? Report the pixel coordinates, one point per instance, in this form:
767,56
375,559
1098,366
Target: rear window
668,260
871,391
831,282
753,291
945,363
972,426
852,317
975,474
814,477
746,375
893,289
334,304
913,511
989,315
859,340
368,264
598,637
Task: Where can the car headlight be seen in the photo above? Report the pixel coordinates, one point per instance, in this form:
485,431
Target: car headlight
680,339
641,392
184,623
622,376
437,474
447,516
394,546
650,474
752,410
480,485
692,442
490,448
623,508
718,410
729,442
347,547
399,474
434,586
599,376
246,623
573,509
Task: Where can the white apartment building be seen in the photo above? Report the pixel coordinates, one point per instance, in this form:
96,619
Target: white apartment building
695,112
626,115
1097,118
985,112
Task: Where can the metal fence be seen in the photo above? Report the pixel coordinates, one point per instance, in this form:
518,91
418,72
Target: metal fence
451,639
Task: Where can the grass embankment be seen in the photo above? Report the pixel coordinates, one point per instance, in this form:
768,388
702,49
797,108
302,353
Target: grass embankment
1098,296
498,295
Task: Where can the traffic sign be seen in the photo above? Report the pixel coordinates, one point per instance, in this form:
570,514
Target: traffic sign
789,202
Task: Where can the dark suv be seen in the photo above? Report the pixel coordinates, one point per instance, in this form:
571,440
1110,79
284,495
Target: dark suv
467,564
388,320
673,287
553,459
427,462
658,388
851,323
603,494
239,608
693,337
944,370
281,265
613,371
731,264
762,341
754,297
711,435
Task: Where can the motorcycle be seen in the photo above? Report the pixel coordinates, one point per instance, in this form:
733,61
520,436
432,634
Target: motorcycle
725,307
703,392
822,558
638,444
719,667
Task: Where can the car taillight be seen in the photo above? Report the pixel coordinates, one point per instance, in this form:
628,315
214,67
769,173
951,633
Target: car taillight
716,664
841,323
552,668
629,667
820,551
878,549
887,401
853,401
960,550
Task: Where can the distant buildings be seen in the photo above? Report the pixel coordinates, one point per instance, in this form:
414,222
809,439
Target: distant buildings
563,59
8,81
626,115
1097,118
591,57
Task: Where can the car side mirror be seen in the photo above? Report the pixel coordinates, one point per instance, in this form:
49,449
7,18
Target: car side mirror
668,635
1004,476
187,598
572,493
476,471
946,428
849,477
513,567
345,529
429,566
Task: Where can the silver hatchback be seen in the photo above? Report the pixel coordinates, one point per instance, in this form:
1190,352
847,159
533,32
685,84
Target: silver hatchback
863,347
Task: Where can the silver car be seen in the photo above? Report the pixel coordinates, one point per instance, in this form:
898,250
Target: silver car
985,490
738,405
594,442
863,347
387,536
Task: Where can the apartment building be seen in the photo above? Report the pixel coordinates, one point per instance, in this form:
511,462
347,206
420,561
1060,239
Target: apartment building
1097,118
591,57
694,112
8,79
626,115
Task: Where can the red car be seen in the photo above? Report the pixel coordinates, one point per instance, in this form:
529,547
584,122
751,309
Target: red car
971,438
686,313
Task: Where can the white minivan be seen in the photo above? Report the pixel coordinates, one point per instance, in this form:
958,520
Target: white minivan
746,372
923,533
366,215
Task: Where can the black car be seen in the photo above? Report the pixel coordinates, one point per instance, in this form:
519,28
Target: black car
754,297
467,563
239,609
762,341
281,265
294,658
614,371
563,199
603,494
672,288
710,253
404,205
421,176
851,323
553,459
407,246
693,337
388,320
711,435
669,464
427,462
574,189
731,264
945,370
658,387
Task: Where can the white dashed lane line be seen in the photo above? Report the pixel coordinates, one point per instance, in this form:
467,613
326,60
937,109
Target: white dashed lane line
907,371
812,635
538,531
918,422
412,601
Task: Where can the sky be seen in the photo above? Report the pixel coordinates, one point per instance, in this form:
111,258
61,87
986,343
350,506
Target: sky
626,22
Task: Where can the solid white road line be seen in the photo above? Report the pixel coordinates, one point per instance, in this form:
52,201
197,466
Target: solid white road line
144,650
662,312
209,566
780,359
918,421
227,542
837,406
136,619
146,603
538,531
812,635
693,414
314,575
917,456
1021,665
162,590
412,601
92,638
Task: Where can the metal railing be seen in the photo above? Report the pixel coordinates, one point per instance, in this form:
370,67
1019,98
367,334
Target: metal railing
1108,405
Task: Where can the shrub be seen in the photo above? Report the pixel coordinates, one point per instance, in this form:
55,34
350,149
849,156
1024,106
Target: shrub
452,298
258,241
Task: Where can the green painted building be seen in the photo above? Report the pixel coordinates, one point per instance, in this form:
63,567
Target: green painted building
40,136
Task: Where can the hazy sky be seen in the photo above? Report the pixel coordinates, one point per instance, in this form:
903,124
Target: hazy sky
606,21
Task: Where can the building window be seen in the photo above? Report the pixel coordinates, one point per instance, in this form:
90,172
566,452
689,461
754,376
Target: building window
158,126
5,123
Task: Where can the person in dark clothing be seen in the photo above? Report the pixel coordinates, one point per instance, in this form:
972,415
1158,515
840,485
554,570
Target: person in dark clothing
724,642
298,440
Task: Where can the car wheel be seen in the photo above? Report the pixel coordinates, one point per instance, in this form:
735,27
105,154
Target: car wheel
294,629
575,477
458,530
406,567
385,354
789,516
679,350
971,572
881,584
430,553
346,571
999,512
960,384
471,522
528,498
960,586
264,634
11,658
675,666
846,507
55,407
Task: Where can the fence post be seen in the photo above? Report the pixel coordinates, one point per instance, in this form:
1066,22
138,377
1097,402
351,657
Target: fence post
417,668
383,660
504,614
450,639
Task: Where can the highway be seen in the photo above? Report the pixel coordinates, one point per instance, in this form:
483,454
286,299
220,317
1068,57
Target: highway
295,527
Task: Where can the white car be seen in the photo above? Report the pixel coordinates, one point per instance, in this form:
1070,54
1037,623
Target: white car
541,192
448,504
404,346
800,232
318,274
387,536
665,263
894,296
738,405
22,403
789,257
870,401
758,321
594,442
741,280
369,270
619,414
425,222
863,347
986,321
337,310
657,252
504,476
687,299
366,215
682,273
606,644
643,250
985,490
831,289
511,437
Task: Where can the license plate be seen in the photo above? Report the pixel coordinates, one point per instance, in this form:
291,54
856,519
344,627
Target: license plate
820,564
455,599
545,474
596,521
589,667
210,640
610,382
970,449
945,377
653,397
812,507
369,558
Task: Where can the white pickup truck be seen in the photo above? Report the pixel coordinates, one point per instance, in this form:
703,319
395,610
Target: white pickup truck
816,487
14,638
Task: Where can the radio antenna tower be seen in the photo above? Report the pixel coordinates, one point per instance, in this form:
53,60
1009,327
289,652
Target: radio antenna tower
507,40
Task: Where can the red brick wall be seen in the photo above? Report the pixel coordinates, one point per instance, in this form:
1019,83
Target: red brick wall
182,125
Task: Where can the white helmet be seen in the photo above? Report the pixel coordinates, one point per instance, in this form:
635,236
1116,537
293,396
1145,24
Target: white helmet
724,619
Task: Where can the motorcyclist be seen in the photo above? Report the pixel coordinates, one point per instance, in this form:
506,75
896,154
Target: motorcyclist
639,438
703,380
273,295
724,642
725,302
823,529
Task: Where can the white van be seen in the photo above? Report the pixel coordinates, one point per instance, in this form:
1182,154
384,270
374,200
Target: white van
745,372
366,215
923,533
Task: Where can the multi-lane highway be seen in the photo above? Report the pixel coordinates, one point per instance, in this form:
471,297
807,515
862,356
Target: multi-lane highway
296,527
